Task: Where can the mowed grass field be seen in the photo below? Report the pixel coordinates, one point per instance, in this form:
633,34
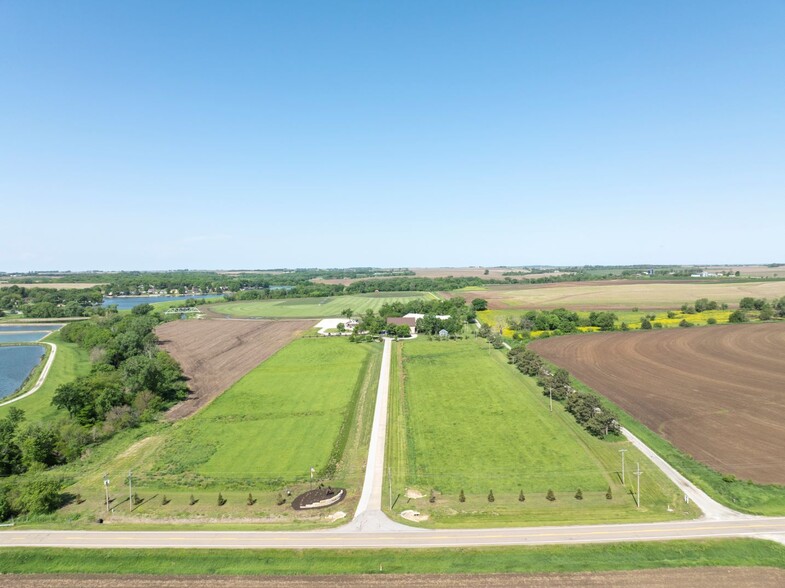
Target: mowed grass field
309,405
331,306
462,418
620,295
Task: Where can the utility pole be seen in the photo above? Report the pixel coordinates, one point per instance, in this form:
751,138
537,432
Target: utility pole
622,451
550,397
638,473
106,490
130,491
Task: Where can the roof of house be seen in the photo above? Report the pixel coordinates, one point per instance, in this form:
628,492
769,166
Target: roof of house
404,320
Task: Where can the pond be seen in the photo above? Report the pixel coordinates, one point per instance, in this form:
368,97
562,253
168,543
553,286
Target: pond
16,363
128,302
10,333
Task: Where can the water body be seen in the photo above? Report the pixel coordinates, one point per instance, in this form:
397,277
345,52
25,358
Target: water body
9,327
128,302
21,336
16,363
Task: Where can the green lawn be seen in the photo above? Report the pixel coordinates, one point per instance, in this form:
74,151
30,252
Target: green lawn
462,418
316,307
70,361
556,558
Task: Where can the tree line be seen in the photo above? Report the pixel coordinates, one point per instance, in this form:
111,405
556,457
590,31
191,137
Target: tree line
50,302
130,381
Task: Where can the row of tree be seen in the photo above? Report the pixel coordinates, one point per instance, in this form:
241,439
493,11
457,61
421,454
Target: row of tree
50,302
586,408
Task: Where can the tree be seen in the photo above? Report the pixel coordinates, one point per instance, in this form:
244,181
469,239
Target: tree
38,495
10,453
609,494
737,316
521,497
192,500
221,500
461,496
347,313
646,324
251,500
550,496
579,494
142,309
491,497
479,304
39,446
340,327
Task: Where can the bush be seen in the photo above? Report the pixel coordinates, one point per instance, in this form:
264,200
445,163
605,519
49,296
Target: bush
646,324
711,321
432,497
461,496
609,494
685,323
550,496
280,500
657,325
579,494
221,500
521,497
251,500
490,497
737,316
192,500
38,495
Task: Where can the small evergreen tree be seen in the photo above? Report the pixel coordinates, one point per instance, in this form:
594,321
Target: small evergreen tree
164,500
490,496
221,499
280,500
461,496
192,500
521,497
579,494
136,499
251,501
609,494
432,497
550,496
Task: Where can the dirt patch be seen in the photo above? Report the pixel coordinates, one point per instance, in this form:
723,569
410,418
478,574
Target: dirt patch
665,578
214,354
717,393
414,516
319,498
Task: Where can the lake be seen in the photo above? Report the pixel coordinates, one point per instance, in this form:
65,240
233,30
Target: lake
10,333
16,363
128,302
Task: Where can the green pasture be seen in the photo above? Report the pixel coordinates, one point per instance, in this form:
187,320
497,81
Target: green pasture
70,361
461,417
497,560
316,307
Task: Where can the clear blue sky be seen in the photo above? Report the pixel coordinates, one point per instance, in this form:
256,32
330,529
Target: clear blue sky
155,135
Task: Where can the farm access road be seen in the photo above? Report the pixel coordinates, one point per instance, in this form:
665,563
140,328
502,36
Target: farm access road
371,528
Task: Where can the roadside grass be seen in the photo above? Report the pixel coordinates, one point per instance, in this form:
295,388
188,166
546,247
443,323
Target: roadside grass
70,362
310,405
499,560
462,418
315,307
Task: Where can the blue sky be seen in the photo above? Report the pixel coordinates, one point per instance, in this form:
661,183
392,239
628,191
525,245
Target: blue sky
156,135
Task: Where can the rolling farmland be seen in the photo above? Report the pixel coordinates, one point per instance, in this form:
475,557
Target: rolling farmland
717,393
619,295
315,307
214,354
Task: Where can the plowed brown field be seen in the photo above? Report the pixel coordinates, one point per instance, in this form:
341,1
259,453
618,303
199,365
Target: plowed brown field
214,354
665,578
717,393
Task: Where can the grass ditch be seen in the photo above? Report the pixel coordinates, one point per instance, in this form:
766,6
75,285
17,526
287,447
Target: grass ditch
288,562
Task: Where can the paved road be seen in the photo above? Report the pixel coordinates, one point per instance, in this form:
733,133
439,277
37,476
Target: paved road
698,529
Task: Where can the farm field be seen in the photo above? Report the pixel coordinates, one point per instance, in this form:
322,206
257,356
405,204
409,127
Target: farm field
462,418
315,307
214,354
619,295
309,405
716,393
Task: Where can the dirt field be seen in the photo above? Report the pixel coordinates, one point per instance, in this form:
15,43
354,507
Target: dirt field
619,294
717,393
665,578
214,354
